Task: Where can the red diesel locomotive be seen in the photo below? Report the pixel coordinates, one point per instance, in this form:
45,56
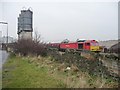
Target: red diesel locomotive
90,45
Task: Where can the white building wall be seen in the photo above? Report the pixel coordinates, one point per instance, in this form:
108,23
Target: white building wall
25,35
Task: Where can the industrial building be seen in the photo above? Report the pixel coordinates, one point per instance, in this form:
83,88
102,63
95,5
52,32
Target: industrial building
25,22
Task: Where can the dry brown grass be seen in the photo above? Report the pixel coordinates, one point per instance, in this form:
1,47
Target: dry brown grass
88,56
73,78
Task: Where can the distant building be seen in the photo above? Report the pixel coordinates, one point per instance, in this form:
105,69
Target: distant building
4,39
25,22
115,48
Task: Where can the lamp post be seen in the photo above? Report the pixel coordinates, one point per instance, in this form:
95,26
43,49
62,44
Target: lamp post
7,30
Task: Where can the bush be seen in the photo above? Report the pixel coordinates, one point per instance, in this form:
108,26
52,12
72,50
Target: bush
93,67
26,47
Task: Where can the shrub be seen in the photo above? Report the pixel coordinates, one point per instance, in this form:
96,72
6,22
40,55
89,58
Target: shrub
25,47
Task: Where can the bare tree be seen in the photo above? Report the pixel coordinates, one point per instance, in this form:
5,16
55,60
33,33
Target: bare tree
37,37
29,46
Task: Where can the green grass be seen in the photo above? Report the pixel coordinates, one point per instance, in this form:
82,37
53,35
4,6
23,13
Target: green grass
18,73
43,72
0,78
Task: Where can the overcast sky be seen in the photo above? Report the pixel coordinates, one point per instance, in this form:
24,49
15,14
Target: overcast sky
56,20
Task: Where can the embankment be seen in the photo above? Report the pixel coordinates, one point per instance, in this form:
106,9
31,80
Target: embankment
46,72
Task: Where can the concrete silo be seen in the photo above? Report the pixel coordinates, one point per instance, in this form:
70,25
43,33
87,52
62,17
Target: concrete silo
25,22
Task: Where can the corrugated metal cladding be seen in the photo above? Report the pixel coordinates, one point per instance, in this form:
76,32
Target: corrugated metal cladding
25,21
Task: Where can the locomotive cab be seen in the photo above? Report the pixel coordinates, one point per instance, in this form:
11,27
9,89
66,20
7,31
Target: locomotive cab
91,45
94,46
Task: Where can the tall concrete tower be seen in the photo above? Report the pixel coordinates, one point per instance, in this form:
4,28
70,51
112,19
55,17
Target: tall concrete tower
25,22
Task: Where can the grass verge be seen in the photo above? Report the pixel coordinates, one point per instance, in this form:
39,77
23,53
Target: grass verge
19,73
45,72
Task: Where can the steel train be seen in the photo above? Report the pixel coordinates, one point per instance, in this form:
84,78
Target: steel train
88,45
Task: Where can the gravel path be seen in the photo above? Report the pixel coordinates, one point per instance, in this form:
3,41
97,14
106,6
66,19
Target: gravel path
3,57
